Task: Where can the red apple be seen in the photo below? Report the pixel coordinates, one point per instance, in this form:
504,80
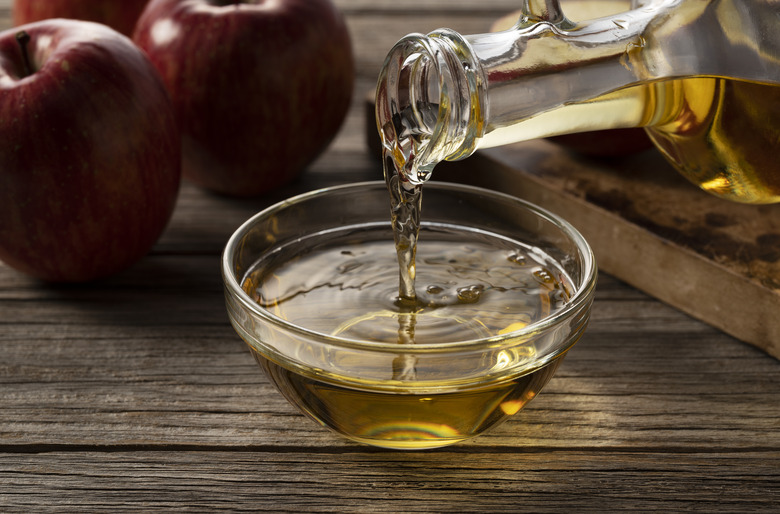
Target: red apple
90,159
120,15
260,87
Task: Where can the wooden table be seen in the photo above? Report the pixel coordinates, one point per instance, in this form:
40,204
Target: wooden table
135,393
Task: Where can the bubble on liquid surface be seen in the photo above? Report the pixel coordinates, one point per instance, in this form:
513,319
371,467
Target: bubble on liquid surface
544,276
470,294
516,258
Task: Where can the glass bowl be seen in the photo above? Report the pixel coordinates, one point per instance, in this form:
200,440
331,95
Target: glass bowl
504,289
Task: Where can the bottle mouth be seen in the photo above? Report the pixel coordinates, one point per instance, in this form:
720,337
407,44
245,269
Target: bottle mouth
429,102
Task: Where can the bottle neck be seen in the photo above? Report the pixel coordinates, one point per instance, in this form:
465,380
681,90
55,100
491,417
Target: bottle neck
429,102
440,96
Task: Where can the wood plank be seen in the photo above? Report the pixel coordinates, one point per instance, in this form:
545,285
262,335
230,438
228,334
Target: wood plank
346,480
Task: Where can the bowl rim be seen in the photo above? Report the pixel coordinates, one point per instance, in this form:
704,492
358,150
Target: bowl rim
581,297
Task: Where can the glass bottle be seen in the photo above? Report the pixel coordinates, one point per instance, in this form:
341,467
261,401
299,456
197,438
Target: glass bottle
702,76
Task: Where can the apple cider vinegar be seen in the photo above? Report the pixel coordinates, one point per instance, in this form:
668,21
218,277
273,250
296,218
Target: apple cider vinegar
500,291
724,136
406,420
720,134
470,285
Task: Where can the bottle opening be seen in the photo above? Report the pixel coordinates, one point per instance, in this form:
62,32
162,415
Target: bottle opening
427,102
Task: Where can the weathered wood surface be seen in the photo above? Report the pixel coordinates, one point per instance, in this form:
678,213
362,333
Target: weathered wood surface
135,394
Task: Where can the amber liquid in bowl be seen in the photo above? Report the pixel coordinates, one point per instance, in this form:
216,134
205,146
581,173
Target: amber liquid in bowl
470,285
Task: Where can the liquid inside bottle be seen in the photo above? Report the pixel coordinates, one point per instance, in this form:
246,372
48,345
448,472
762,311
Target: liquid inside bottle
721,134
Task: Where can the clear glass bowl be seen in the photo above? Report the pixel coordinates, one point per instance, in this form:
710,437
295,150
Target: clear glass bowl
389,376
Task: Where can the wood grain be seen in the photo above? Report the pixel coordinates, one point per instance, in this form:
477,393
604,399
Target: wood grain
134,393
479,481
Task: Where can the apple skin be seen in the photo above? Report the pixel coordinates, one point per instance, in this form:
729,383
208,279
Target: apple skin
260,87
120,15
90,163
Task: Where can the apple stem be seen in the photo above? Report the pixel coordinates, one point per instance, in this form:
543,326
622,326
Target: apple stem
23,38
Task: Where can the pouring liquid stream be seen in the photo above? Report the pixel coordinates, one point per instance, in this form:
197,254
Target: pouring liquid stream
499,285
